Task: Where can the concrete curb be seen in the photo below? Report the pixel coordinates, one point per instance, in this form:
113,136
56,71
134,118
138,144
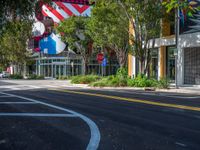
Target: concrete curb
170,90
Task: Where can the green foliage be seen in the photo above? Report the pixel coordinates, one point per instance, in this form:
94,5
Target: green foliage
35,77
110,81
109,28
63,78
16,76
74,31
139,81
87,79
189,6
163,83
122,73
11,10
101,83
13,42
142,81
144,18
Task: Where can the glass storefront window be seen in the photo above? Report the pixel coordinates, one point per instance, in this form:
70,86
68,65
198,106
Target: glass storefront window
153,68
170,62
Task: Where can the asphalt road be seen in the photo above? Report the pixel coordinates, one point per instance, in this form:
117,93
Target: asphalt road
98,119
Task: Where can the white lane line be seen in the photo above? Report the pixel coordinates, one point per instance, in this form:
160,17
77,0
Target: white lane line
53,86
35,87
198,117
36,115
176,96
18,103
94,130
5,96
181,144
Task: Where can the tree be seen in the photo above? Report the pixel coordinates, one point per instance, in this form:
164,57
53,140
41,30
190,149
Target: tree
109,29
18,9
74,31
189,6
13,42
144,17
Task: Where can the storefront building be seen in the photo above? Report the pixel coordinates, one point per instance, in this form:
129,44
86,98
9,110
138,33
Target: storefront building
62,65
163,61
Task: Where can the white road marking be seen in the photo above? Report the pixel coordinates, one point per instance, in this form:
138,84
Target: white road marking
198,117
18,103
5,96
36,115
156,94
94,130
181,144
176,96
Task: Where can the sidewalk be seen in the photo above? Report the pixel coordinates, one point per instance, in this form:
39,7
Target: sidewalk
192,90
183,90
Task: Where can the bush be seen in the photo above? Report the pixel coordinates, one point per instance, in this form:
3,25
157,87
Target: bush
163,83
101,83
131,82
122,73
142,81
63,78
35,77
110,81
16,76
41,77
87,79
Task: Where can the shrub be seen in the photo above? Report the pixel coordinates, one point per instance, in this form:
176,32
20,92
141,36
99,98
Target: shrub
142,81
163,83
41,77
35,77
130,82
85,79
110,81
122,73
101,83
16,76
63,78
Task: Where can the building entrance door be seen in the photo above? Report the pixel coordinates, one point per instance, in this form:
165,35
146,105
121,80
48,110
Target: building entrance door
171,64
58,70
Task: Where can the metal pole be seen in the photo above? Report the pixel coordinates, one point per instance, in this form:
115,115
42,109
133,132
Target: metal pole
39,67
177,43
102,71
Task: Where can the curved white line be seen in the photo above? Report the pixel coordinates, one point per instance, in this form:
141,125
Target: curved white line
95,133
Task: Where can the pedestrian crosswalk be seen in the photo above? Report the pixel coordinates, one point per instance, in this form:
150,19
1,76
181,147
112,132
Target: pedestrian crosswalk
30,87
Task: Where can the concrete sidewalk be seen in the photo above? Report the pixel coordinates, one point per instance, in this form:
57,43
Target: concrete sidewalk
183,90
66,84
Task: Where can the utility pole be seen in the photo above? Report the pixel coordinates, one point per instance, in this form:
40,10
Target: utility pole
177,27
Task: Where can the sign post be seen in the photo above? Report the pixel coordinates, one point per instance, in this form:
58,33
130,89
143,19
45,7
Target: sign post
104,64
100,58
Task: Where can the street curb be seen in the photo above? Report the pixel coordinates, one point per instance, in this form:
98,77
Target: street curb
170,90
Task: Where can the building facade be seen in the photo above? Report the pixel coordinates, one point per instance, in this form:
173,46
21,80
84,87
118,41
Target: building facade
164,63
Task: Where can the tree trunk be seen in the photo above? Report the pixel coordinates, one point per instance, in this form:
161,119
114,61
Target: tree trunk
84,67
122,58
142,67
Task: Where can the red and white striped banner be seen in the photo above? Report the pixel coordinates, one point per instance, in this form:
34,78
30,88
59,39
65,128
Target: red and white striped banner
60,10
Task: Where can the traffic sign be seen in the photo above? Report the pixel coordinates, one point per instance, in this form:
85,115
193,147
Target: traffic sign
104,62
100,58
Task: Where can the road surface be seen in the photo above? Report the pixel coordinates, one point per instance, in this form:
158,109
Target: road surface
79,119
